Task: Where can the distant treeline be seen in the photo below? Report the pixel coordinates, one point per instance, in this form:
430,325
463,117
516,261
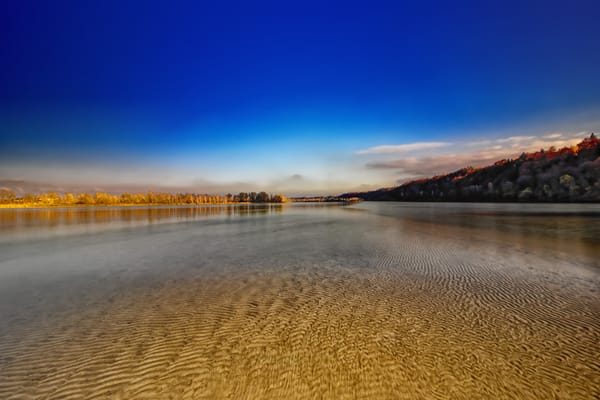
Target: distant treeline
106,199
570,174
324,199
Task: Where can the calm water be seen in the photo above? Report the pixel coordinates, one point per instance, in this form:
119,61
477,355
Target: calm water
380,300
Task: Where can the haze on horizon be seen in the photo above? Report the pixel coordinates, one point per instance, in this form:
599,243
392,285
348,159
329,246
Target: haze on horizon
292,98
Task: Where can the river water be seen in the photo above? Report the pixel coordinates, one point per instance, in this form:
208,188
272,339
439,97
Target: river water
370,300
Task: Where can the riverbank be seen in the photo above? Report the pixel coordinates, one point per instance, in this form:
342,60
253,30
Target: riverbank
16,206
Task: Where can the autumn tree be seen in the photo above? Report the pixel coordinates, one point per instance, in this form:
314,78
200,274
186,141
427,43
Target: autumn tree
126,198
68,199
261,197
7,196
85,199
278,198
29,198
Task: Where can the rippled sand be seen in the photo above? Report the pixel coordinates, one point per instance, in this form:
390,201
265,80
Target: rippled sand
330,304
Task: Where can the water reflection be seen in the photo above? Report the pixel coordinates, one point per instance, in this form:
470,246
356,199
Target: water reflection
568,228
15,221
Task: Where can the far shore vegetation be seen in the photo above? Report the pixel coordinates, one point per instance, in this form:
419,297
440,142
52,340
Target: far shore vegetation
8,199
570,174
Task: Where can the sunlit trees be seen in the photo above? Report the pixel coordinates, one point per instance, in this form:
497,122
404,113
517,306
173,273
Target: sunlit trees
85,199
150,198
126,198
188,198
278,198
567,174
105,199
139,198
49,199
68,199
7,196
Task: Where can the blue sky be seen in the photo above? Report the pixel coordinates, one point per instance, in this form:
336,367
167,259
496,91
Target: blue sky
297,97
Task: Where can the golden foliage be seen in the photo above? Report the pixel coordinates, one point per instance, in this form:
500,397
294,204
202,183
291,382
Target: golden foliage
7,197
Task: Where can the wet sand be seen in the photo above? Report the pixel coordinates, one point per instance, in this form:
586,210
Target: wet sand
303,303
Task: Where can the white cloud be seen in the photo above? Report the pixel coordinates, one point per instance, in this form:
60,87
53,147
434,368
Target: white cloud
479,143
402,148
553,136
515,139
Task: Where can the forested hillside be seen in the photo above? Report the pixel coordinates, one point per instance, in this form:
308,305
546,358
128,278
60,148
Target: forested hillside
570,174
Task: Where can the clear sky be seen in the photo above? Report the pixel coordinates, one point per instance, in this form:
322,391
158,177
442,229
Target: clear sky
294,97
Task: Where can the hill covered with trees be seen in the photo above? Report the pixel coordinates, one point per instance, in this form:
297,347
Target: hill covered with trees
570,174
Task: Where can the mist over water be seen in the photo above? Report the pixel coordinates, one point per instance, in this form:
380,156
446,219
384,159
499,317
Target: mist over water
373,300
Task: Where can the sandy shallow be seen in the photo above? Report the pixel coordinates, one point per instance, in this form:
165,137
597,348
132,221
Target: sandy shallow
304,304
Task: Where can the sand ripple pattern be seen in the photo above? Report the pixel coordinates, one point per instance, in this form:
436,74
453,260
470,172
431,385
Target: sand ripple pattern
406,318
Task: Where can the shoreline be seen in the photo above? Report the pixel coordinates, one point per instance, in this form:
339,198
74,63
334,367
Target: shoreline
43,206
54,206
